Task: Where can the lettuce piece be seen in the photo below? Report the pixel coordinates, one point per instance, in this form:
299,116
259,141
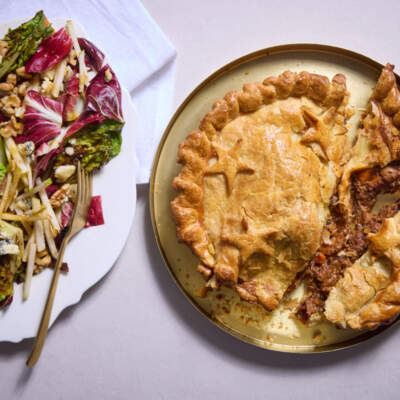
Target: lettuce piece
3,159
23,42
3,171
94,145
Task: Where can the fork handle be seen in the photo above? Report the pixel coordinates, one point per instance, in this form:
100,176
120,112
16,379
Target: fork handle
44,323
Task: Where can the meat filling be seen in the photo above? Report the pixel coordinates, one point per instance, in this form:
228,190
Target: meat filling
344,240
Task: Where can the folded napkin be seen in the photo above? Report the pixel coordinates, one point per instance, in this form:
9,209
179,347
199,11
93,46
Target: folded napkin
140,54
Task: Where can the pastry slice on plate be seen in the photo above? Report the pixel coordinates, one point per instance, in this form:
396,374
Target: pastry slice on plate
256,181
354,277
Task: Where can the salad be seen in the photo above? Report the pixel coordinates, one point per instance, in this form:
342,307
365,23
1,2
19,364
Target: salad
60,103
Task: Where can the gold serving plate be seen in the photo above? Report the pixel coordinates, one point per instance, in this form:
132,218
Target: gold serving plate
248,322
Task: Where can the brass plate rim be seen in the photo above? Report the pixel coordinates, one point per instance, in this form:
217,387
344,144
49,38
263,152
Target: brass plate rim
285,48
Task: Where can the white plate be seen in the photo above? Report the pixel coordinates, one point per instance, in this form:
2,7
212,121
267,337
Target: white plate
94,251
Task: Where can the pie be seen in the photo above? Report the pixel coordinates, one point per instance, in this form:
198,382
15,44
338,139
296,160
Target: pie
368,294
257,177
272,192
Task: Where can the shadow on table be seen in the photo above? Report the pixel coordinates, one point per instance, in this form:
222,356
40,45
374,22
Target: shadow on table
223,342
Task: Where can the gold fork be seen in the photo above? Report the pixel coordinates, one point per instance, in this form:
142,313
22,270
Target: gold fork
78,221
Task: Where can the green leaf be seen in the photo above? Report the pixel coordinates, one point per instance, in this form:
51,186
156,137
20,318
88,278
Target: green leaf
94,145
3,171
23,42
3,157
116,144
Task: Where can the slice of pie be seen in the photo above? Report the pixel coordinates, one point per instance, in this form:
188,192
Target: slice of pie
354,277
254,190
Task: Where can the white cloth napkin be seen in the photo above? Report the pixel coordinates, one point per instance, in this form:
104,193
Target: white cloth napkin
140,54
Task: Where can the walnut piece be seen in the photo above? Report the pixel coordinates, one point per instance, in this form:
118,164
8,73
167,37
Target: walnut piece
43,258
22,73
60,196
11,128
46,87
23,88
6,87
10,103
3,48
12,79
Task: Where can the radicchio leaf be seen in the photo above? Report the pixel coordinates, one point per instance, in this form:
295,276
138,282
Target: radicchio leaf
66,213
42,119
51,189
85,119
51,51
45,161
70,99
103,95
72,85
94,57
95,213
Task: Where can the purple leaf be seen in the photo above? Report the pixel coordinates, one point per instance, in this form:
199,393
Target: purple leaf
51,189
103,95
51,51
95,213
85,119
70,98
72,85
44,162
66,213
94,57
42,119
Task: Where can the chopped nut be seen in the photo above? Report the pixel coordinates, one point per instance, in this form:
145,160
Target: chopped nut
12,79
46,87
3,48
63,172
6,87
11,128
107,76
42,253
23,88
21,72
60,196
43,259
9,103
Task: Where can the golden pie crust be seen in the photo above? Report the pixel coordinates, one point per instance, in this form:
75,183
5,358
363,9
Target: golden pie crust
256,181
368,295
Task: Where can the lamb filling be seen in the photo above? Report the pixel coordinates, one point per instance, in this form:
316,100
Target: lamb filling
344,240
